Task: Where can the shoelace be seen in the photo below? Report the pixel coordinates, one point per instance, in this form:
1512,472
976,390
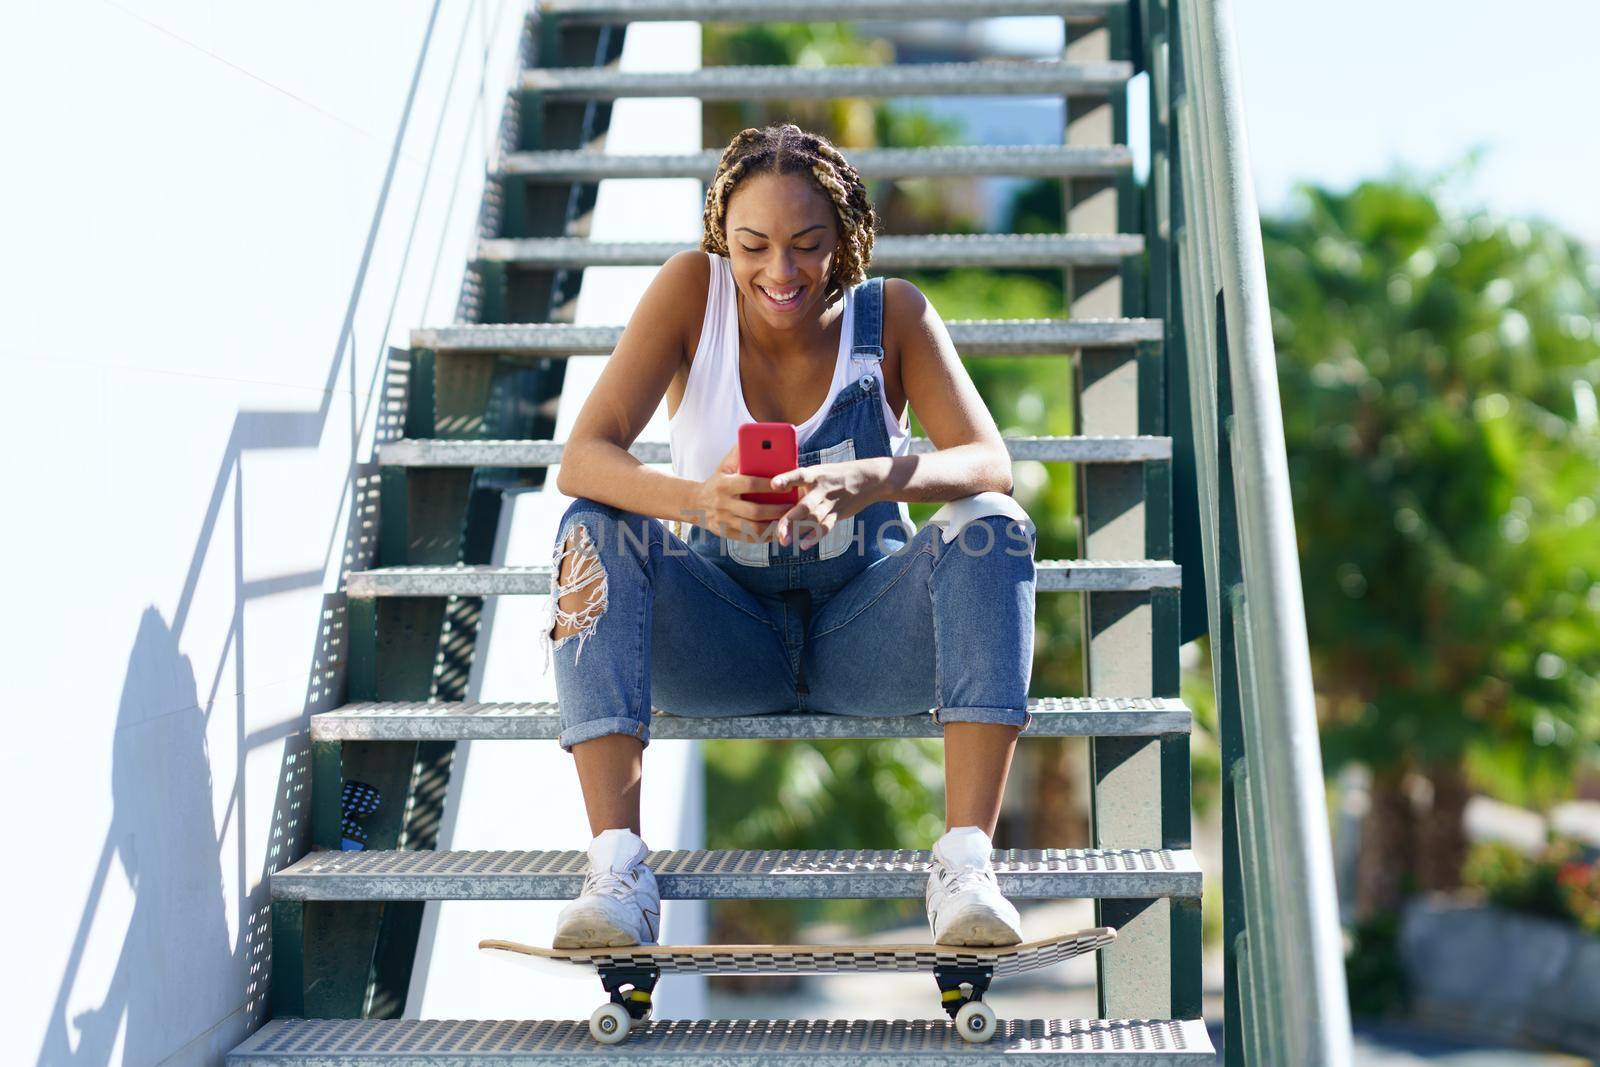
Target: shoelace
607,882
613,883
960,879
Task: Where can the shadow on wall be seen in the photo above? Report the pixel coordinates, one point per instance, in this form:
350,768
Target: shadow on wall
175,945
177,977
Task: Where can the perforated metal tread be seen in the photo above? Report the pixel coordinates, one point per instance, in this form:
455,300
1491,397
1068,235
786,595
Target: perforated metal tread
974,337
723,1043
1008,77
591,11
422,721
1050,576
1021,161
889,253
713,874
437,452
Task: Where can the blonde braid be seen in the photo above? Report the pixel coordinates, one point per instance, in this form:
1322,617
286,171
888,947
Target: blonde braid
787,149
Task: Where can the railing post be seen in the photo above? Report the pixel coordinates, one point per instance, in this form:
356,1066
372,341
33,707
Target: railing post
1230,725
1284,984
1140,791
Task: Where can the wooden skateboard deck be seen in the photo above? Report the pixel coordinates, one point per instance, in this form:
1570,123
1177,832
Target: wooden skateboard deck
809,959
963,972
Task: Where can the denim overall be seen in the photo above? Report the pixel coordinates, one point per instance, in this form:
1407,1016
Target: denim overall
711,626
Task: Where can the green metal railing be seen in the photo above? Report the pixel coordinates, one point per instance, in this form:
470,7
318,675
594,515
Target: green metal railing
1285,986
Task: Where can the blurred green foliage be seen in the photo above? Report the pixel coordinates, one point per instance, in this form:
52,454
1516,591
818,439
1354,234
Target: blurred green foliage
848,123
1374,975
1436,369
884,793
1561,882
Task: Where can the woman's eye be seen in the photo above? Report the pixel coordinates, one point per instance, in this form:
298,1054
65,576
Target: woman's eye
797,248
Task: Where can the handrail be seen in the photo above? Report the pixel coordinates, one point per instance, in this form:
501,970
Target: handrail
1286,997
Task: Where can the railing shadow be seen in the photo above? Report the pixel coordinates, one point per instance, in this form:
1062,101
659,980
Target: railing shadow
169,846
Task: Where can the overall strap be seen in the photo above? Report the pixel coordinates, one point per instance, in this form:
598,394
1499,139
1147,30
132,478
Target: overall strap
867,342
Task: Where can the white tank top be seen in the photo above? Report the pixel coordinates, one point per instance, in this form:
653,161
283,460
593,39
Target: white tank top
707,421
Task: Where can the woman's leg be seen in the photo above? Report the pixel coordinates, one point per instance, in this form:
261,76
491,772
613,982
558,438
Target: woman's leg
610,772
611,766
639,620
977,759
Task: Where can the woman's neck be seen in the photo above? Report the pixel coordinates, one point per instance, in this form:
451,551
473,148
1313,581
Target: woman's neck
782,346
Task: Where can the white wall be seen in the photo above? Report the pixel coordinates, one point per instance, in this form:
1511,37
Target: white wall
214,218
509,794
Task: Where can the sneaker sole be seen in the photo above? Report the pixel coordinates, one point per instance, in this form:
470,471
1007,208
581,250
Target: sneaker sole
980,927
592,931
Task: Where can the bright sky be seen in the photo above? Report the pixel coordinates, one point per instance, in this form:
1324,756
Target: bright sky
1335,92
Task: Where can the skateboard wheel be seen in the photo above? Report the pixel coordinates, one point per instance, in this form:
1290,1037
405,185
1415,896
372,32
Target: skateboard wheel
975,1021
609,1023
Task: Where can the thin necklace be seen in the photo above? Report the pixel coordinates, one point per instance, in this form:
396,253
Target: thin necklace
739,302
738,374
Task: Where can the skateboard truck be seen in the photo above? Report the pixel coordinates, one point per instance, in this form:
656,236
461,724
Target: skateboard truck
630,989
974,1020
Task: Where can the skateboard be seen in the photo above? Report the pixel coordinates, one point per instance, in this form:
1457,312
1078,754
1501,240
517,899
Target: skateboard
629,973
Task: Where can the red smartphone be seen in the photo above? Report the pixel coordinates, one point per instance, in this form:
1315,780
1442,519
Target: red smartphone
766,449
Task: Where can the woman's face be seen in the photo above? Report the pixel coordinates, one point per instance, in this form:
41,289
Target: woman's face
782,238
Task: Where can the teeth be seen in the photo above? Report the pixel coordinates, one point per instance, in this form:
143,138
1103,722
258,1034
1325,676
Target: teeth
780,297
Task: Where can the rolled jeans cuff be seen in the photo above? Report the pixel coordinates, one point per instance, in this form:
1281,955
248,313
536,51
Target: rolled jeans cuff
1020,717
592,728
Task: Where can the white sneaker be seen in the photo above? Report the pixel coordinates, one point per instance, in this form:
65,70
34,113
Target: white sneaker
620,904
964,902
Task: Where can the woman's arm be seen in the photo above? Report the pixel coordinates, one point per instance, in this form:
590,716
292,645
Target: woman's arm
971,456
596,462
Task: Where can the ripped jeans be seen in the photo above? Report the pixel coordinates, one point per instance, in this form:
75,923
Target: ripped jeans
942,625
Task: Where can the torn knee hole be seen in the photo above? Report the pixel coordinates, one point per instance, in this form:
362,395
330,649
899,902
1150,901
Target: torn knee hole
578,591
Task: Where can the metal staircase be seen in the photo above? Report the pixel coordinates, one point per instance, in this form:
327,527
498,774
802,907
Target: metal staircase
477,421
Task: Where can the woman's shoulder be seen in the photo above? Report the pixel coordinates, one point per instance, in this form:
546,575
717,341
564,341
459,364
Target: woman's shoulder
687,273
904,306
684,284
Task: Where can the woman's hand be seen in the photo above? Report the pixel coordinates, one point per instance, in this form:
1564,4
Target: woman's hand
829,494
719,508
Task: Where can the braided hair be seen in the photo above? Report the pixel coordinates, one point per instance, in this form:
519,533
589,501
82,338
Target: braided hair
787,149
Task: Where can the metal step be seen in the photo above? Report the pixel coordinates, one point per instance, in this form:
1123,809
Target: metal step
725,874
888,253
572,12
541,721
1009,77
292,1042
1051,576
438,452
1021,161
974,337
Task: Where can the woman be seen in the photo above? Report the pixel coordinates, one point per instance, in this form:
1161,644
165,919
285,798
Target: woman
834,604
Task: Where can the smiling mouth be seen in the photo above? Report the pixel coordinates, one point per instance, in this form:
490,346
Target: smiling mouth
793,294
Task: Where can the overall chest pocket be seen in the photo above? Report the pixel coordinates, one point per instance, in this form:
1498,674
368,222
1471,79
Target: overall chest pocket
834,542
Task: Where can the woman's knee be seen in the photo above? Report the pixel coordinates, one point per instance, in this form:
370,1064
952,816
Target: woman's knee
989,524
609,528
591,541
